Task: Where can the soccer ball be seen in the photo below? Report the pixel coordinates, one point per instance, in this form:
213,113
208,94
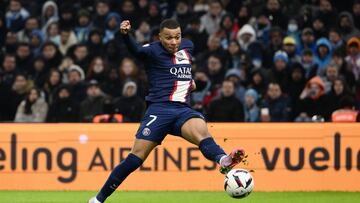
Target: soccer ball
238,183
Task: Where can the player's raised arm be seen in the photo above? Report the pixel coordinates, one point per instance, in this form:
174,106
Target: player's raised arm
134,47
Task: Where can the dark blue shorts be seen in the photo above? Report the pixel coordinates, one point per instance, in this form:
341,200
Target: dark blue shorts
161,119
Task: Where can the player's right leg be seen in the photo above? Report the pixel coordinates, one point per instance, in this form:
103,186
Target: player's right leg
195,131
138,154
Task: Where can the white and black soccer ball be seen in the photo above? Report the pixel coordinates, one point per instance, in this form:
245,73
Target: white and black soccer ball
238,183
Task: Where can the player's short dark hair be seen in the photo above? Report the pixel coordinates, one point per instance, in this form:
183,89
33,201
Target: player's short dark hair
169,23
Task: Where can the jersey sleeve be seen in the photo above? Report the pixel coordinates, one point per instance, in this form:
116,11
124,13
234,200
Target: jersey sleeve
135,48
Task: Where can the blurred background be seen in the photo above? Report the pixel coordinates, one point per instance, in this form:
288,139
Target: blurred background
254,61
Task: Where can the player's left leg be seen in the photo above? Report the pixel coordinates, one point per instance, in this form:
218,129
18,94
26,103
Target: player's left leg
195,131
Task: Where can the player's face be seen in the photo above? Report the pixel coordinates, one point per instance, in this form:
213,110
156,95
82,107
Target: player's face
170,39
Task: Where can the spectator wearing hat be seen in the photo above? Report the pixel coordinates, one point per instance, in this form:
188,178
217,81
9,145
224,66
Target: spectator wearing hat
353,56
319,28
93,104
289,46
246,36
312,100
63,108
32,109
226,108
251,109
76,77
130,105
307,41
36,41
112,25
49,13
280,71
323,54
327,13
346,26
83,26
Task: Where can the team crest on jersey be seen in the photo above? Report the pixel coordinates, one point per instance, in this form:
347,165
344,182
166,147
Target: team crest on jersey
181,57
146,131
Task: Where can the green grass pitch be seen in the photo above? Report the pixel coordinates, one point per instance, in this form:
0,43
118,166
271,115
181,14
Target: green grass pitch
179,197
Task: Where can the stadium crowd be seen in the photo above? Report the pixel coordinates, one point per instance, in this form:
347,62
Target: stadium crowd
254,60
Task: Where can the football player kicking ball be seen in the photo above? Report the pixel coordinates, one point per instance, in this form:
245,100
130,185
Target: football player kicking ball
169,74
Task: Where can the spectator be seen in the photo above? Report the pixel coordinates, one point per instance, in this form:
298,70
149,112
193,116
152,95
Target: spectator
258,81
246,36
31,24
76,78
263,27
347,112
319,28
327,13
323,54
345,70
308,62
98,70
243,12
215,71
8,70
275,44
112,25
36,42
335,40
331,73
346,26
143,33
83,25
200,96
102,9
52,32
339,90
67,39
276,104
183,13
211,20
227,30
353,56
213,47
236,57
154,16
67,16
23,57
312,100
95,43
16,16
236,77
80,56
52,83
251,109
37,72
289,46
280,71
274,11
297,83
49,13
32,109
356,13
226,108
113,85
198,36
128,11
93,103
130,105
128,70
63,108
307,40
51,54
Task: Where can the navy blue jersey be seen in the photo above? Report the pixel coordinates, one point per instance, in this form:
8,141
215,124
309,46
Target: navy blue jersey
169,75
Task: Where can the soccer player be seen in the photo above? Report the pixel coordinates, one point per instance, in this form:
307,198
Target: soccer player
169,72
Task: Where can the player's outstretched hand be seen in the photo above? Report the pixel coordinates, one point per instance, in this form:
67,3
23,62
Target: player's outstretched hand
125,27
